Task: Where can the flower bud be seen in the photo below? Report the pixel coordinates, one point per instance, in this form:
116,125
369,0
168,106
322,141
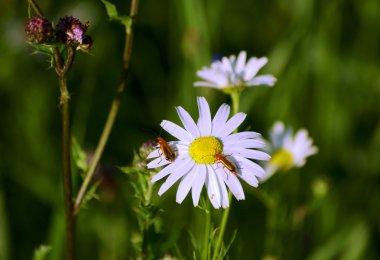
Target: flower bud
39,30
86,43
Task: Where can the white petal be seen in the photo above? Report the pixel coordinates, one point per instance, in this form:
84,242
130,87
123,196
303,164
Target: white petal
188,122
248,153
240,63
220,119
204,121
265,80
239,136
270,169
253,66
233,184
227,66
201,171
213,77
176,131
207,74
158,162
213,188
185,185
205,84
225,201
177,145
232,124
311,150
301,147
167,170
246,143
182,151
248,177
243,163
154,154
176,175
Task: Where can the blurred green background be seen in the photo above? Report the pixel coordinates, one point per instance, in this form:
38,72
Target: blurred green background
326,57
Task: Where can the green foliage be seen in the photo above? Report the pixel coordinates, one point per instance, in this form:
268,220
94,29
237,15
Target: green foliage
41,252
326,58
146,211
113,15
79,156
225,250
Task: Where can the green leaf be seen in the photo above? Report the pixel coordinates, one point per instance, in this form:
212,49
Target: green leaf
41,252
111,10
130,170
79,155
193,241
126,21
90,194
229,244
42,48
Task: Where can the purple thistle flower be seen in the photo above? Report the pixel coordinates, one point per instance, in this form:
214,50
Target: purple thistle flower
70,30
39,30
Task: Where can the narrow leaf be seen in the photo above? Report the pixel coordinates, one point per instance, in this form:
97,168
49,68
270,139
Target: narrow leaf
111,10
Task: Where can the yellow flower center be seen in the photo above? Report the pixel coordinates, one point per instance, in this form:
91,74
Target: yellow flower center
203,149
283,159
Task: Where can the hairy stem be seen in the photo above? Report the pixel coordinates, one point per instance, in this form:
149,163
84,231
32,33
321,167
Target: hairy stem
62,67
113,111
67,189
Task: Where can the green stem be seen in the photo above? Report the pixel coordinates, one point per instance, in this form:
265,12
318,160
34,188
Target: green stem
235,98
113,111
147,222
67,189
36,8
223,225
62,68
205,254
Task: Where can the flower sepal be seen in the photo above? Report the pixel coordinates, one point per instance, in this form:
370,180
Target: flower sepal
233,90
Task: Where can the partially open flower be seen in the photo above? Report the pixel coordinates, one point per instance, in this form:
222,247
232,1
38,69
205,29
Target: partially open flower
70,30
288,151
39,30
234,74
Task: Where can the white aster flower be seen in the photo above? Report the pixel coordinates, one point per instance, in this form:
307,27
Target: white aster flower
288,151
196,150
235,73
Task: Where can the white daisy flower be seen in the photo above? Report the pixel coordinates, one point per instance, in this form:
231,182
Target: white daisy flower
235,73
288,151
197,149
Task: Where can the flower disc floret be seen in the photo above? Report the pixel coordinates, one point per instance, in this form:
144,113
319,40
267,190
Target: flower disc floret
204,149
283,159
